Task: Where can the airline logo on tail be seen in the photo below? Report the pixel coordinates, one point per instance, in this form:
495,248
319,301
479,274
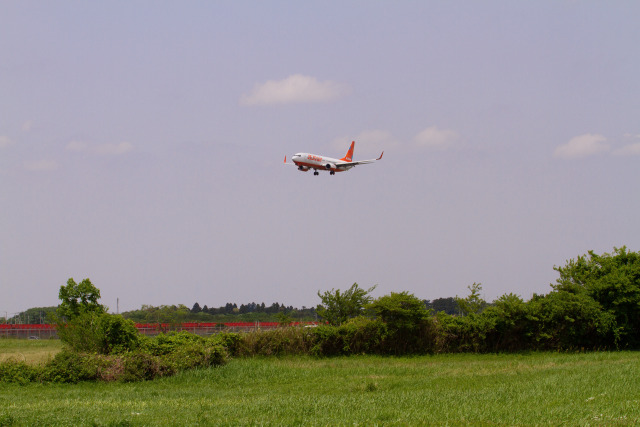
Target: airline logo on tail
349,155
307,161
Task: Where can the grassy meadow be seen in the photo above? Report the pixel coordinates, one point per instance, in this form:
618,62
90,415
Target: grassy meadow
29,351
460,389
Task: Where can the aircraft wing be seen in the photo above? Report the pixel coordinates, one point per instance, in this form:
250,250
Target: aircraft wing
361,162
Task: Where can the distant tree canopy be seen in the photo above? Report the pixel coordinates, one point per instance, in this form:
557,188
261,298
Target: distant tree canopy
230,312
447,305
33,316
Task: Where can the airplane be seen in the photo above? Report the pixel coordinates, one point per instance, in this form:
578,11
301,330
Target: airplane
306,161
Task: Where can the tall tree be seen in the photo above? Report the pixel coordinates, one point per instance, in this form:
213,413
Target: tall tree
84,324
472,304
337,307
79,298
612,280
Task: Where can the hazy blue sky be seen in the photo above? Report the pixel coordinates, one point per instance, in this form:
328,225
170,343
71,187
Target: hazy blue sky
141,145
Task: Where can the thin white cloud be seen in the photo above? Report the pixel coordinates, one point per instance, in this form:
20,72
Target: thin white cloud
628,150
114,149
294,89
436,139
632,147
583,146
77,146
27,126
5,141
100,149
44,165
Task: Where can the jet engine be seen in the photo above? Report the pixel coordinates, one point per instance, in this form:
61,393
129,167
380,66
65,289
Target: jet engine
303,168
329,166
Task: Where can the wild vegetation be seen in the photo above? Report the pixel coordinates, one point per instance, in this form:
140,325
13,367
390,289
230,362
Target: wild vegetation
107,347
595,305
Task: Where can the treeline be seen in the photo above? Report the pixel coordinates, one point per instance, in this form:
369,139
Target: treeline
251,312
230,312
252,307
175,314
31,316
445,305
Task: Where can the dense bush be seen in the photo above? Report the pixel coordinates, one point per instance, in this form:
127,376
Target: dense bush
563,320
99,333
164,344
139,366
71,367
276,342
510,325
118,334
357,336
198,356
612,281
13,371
407,321
461,334
160,356
229,340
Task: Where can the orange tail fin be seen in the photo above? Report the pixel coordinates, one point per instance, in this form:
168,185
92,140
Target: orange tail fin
349,156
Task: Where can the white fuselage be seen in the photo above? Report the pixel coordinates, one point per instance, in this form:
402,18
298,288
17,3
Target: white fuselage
306,161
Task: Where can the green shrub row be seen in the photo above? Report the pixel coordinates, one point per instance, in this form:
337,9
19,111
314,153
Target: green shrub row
156,357
558,322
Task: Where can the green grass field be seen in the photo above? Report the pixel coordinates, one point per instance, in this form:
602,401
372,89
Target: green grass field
532,389
30,351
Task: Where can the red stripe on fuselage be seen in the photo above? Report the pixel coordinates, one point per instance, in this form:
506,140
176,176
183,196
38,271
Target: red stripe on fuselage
318,167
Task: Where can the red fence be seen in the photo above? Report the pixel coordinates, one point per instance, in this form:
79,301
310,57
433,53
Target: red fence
28,331
49,331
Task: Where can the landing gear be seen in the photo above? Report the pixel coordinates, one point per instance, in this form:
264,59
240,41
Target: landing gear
316,173
332,173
